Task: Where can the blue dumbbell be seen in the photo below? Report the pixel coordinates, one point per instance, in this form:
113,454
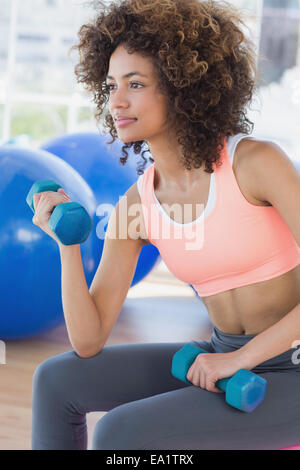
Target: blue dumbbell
244,390
70,222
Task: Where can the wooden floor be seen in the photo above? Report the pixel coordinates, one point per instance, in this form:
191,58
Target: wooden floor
158,309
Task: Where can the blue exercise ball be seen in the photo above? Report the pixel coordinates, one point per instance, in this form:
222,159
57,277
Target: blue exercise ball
99,164
29,259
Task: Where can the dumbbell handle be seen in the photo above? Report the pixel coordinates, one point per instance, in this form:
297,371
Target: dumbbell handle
245,390
46,185
221,383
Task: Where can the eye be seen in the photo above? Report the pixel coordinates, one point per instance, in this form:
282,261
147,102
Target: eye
108,85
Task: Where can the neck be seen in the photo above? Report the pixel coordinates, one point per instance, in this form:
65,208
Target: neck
170,171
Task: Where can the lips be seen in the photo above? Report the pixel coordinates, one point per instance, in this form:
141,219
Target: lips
124,122
125,119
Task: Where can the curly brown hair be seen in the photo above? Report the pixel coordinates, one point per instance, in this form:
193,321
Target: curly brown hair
205,64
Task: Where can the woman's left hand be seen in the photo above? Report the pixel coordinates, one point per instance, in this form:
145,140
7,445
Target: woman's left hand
208,368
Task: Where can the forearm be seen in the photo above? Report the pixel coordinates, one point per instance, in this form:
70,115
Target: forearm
81,316
273,341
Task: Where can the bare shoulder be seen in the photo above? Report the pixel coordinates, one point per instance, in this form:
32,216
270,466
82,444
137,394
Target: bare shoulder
247,150
249,158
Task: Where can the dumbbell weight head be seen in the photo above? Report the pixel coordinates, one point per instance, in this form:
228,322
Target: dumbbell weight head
40,187
69,221
182,361
244,390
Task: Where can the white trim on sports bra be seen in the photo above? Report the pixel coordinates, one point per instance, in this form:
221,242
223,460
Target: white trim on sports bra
232,142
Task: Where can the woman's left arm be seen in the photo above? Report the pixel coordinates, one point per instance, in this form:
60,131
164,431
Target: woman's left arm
277,181
275,340
207,369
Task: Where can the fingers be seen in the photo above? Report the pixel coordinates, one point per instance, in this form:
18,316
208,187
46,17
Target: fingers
44,203
202,380
198,377
211,386
60,190
48,194
190,373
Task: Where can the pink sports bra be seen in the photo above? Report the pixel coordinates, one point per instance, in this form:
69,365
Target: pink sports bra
232,243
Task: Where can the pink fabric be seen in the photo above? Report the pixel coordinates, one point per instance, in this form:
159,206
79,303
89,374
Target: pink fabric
291,448
237,244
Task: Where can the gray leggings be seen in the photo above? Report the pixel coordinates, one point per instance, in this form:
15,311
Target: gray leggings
150,409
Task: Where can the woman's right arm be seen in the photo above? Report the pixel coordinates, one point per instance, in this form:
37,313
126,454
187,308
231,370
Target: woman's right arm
90,314
82,319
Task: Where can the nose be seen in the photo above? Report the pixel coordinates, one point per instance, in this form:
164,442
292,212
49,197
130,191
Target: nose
118,99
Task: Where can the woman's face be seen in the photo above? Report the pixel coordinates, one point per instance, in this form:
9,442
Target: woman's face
135,97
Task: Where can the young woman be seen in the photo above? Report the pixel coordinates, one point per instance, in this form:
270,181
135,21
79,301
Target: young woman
177,76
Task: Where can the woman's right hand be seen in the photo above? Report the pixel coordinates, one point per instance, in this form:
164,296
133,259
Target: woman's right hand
44,204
